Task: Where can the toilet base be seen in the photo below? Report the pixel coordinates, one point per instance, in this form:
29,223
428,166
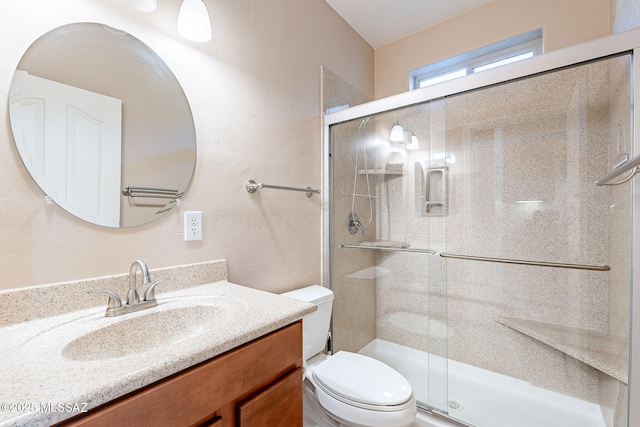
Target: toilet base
314,413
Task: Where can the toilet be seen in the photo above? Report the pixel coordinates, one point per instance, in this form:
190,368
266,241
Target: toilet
353,389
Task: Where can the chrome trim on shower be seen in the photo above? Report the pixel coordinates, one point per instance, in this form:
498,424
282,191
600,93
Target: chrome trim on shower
524,262
556,59
389,248
633,411
632,165
441,415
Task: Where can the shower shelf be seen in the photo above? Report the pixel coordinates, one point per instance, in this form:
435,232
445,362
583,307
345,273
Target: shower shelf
381,172
596,349
387,246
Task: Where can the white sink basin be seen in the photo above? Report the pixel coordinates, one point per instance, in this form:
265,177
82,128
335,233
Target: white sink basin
173,322
145,332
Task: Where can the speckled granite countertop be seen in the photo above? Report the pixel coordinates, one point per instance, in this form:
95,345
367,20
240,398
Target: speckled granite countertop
52,368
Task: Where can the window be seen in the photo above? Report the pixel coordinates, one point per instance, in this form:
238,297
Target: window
505,52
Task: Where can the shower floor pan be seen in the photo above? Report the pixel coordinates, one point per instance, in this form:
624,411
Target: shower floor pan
487,399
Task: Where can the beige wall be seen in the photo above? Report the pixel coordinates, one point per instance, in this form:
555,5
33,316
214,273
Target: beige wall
564,23
254,92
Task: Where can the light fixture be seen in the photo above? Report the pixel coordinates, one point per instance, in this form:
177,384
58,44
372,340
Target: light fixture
193,21
414,145
397,134
140,5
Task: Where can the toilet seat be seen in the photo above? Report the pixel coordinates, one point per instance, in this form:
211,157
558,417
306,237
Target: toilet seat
362,381
351,388
359,390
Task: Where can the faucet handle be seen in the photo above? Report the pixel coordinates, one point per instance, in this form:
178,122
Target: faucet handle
150,293
114,299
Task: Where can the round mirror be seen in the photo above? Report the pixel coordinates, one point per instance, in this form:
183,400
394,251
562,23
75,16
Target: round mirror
102,125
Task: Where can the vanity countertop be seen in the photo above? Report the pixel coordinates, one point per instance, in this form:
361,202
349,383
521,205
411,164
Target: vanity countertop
44,381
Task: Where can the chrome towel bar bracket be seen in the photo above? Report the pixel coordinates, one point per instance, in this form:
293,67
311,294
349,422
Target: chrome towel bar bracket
252,186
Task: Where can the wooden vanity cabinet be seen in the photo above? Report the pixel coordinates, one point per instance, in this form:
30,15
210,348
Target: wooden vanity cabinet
258,384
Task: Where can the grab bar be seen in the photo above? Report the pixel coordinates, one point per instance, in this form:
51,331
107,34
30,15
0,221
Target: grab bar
632,165
156,193
523,262
389,248
252,186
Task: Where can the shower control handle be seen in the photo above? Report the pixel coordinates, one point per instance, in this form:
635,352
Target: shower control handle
355,224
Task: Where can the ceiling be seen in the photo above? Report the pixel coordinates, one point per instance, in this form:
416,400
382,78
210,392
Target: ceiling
381,22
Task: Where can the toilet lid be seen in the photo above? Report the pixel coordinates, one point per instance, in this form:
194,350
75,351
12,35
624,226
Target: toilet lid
361,379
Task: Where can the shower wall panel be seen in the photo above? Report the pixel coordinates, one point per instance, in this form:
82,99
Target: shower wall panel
354,272
524,188
354,292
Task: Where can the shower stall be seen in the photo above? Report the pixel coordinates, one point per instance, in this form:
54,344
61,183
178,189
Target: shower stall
472,243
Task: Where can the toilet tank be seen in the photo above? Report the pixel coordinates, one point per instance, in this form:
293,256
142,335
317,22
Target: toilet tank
315,326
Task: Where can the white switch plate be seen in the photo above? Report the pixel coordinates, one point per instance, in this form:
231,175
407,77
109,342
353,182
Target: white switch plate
193,225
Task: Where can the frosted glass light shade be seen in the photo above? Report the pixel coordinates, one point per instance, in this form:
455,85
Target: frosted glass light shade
414,145
140,5
193,21
397,134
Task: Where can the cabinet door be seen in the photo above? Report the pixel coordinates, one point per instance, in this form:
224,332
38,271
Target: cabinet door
279,405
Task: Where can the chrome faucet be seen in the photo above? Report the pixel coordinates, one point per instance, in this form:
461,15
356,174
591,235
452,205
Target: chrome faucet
132,295
115,306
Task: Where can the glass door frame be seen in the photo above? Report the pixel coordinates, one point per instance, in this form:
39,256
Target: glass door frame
628,41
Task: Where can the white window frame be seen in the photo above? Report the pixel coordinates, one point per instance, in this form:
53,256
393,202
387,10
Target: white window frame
514,46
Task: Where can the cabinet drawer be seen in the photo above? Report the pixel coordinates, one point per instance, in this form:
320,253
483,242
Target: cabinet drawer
212,388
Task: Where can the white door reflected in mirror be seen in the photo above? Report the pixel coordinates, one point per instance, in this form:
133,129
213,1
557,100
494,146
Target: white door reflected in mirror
78,133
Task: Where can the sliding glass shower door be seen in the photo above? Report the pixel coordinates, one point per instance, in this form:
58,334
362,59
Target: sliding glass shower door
538,255
472,250
388,215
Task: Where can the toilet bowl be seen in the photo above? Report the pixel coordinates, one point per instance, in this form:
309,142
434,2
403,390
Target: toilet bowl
355,390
